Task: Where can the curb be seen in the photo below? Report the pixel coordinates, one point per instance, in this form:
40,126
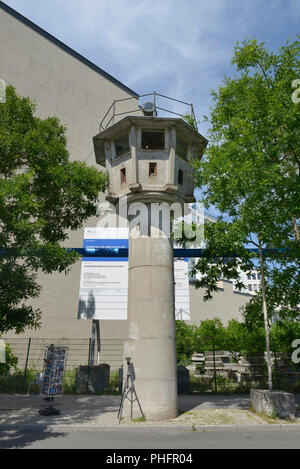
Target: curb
190,428
250,428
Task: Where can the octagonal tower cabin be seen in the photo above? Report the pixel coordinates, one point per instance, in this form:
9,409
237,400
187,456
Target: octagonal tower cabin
149,154
148,158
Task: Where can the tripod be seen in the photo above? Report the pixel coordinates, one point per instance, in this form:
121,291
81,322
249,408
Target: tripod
129,391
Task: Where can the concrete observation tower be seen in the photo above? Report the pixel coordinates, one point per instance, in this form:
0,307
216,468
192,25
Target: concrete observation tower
148,159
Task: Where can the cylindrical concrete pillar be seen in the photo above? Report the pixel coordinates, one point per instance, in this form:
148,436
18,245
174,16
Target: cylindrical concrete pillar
151,343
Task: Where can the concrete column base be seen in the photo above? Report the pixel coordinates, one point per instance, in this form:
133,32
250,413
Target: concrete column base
279,403
151,344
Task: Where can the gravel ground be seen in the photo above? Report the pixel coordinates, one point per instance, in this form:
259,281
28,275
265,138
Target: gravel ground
208,417
102,411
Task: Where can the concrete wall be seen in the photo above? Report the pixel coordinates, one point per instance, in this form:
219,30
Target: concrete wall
225,304
60,84
64,86
79,96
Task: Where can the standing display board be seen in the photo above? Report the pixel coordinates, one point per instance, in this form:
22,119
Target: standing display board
182,290
54,367
104,281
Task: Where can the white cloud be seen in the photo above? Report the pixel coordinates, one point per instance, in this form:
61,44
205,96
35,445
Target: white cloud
179,48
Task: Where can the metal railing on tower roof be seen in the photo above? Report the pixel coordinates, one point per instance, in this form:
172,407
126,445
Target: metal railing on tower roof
112,113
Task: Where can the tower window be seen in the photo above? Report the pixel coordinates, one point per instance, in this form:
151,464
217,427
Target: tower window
123,175
181,147
153,140
121,145
180,177
152,169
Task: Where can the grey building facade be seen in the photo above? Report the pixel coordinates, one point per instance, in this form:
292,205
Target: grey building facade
66,85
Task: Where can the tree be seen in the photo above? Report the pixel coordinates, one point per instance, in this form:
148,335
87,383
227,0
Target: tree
251,174
185,342
42,197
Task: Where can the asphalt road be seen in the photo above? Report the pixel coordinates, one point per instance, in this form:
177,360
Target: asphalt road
152,439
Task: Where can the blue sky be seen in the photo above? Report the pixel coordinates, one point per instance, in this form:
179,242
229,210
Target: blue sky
182,49
179,48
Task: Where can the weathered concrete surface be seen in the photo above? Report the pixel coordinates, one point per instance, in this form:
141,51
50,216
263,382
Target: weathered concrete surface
279,403
92,378
151,340
183,380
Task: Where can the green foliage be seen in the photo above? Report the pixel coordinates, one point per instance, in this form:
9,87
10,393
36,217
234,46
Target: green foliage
283,334
190,119
70,381
139,420
11,361
210,333
246,338
185,342
251,173
42,197
14,383
112,388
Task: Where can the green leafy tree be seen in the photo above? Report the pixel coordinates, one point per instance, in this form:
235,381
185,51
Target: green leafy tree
185,342
43,196
209,335
251,174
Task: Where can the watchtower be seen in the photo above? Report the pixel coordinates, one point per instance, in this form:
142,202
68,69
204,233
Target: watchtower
149,160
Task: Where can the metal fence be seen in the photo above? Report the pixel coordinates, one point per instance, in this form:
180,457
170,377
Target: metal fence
30,351
215,370
222,370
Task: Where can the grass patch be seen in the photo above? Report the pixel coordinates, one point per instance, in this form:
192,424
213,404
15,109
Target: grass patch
113,387
139,420
14,383
225,386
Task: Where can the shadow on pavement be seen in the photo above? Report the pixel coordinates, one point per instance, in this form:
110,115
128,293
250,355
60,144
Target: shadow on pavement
21,424
19,438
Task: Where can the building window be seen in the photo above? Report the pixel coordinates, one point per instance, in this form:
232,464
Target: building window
180,177
153,139
121,145
258,276
253,276
181,147
249,276
255,287
250,287
123,175
152,169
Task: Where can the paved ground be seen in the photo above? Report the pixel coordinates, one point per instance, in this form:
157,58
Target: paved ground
91,422
130,438
102,411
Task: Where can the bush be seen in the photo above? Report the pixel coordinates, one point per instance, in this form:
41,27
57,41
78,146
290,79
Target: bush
210,331
15,384
185,342
11,361
242,338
